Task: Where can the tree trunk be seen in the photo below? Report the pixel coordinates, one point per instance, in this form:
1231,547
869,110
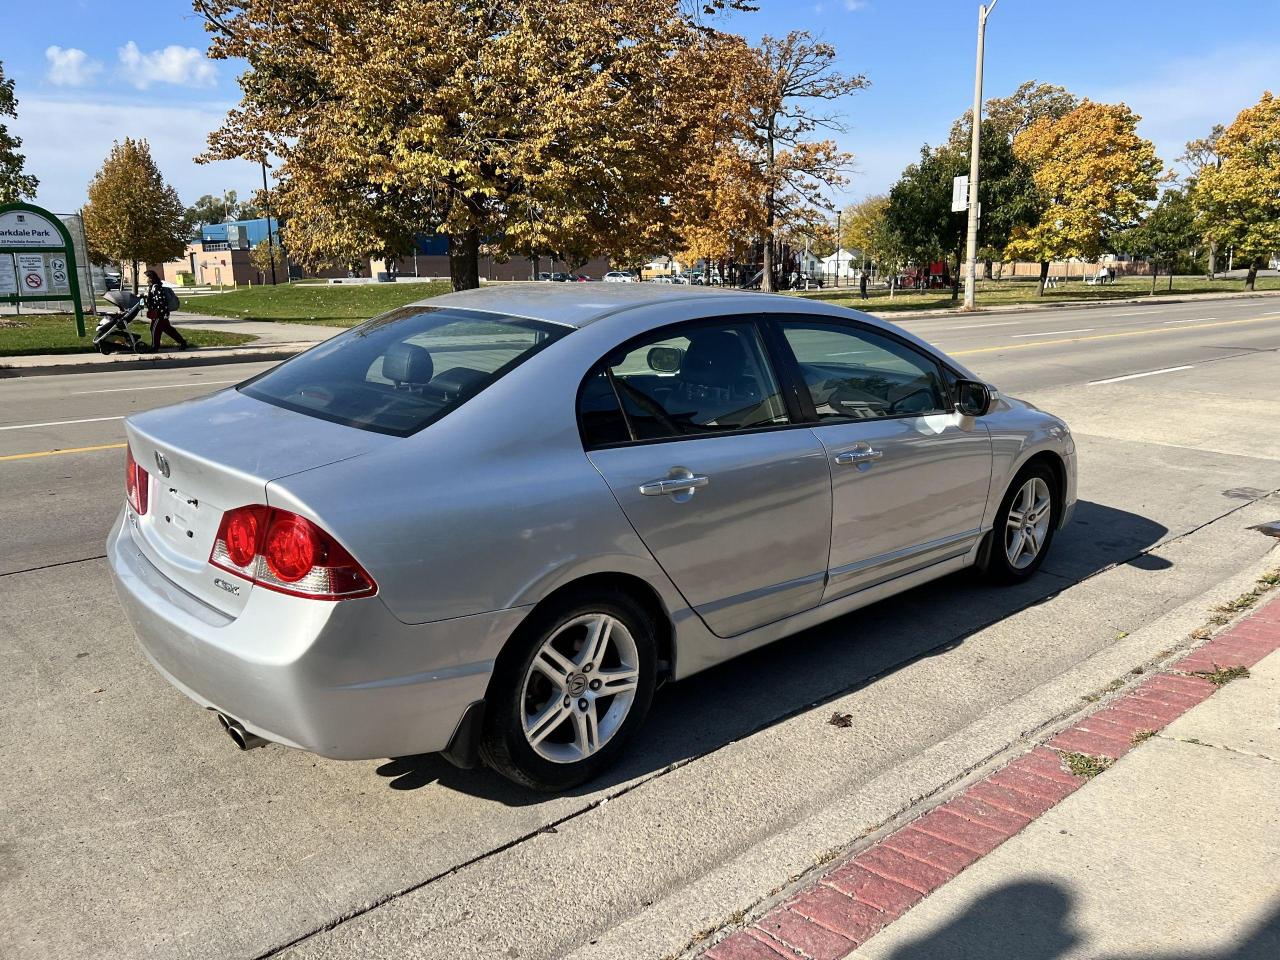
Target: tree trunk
464,260
766,278
1155,272
1171,279
135,278
986,269
1044,275
533,268
1252,275
955,277
1213,258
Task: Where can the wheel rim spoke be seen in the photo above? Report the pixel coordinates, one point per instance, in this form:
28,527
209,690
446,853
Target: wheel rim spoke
586,730
554,665
613,682
597,642
547,721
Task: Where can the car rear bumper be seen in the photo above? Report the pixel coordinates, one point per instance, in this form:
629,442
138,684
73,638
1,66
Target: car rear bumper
345,680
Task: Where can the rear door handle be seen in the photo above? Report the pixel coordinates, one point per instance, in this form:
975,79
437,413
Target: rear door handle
659,488
860,455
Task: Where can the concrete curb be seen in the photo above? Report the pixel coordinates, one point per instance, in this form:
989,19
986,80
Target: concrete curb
94,363
832,916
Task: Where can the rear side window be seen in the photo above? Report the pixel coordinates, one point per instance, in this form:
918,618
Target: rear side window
404,370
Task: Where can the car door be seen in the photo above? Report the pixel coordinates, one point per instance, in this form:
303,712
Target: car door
730,494
910,475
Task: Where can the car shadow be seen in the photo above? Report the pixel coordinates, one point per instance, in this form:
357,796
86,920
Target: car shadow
1032,920
804,671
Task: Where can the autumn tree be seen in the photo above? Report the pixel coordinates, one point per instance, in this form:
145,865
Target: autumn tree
1094,175
525,124
1200,155
1167,233
788,108
266,259
1007,191
1239,200
133,216
14,184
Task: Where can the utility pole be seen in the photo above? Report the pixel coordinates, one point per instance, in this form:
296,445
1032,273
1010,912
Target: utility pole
266,202
838,212
971,245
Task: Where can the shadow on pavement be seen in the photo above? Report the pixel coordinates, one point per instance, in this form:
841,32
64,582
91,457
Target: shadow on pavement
804,671
1031,920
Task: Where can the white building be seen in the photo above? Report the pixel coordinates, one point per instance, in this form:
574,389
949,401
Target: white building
844,264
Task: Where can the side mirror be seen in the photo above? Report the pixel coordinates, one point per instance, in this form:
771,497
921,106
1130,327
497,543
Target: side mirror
665,359
973,397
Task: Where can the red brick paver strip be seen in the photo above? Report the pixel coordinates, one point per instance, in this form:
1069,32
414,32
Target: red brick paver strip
851,903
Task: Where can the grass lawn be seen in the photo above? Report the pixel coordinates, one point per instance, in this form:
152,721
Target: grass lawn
329,304
41,333
1001,292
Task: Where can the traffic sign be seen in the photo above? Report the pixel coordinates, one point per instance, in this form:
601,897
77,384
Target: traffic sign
37,258
959,194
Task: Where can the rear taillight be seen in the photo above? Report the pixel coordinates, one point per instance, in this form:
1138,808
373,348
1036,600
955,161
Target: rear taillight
136,483
282,551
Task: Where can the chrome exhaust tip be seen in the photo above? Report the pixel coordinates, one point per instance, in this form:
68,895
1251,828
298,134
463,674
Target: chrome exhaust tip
242,737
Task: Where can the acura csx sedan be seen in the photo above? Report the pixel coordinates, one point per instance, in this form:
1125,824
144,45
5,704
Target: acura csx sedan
492,523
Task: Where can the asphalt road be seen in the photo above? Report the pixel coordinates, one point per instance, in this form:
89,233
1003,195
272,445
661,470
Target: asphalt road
129,825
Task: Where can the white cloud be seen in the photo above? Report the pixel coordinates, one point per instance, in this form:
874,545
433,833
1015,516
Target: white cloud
852,5
1185,98
70,67
182,66
176,134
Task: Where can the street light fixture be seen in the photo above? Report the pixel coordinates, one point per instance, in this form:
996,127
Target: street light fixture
971,244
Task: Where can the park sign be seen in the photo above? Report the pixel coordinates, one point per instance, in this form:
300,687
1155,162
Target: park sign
37,259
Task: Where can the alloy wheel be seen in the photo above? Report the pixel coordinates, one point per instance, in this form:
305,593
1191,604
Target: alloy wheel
579,688
1028,523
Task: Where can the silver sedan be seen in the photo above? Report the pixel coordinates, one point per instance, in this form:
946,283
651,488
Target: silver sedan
492,523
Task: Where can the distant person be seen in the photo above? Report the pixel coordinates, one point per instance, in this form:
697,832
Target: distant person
158,313
862,284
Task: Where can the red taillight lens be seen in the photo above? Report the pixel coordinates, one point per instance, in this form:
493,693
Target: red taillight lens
292,545
136,483
242,536
282,551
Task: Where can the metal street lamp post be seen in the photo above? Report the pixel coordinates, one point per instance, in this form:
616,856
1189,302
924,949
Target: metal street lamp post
266,202
971,245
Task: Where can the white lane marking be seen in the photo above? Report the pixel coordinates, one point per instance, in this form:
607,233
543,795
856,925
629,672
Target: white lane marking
1196,320
1049,333
1135,376
162,386
58,423
983,326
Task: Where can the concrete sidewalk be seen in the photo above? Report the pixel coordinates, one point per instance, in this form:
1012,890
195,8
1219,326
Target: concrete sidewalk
1173,852
275,341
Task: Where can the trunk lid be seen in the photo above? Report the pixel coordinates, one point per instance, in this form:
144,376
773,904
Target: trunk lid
214,454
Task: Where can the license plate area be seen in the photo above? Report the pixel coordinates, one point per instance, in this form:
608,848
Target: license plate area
177,516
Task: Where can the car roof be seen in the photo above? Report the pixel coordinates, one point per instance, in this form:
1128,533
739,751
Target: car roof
574,305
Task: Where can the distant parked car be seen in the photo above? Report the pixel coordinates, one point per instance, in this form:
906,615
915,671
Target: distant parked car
619,276
580,278
560,278
544,276
111,281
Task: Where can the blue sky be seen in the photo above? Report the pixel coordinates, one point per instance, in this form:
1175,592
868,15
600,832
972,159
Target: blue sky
90,71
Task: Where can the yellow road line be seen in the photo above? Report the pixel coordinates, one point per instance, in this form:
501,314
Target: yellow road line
1104,336
58,453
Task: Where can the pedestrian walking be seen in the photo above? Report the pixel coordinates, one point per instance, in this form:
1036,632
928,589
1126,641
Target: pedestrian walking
862,283
158,313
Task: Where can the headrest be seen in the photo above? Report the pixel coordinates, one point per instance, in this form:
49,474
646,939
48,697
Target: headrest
407,363
457,380
714,359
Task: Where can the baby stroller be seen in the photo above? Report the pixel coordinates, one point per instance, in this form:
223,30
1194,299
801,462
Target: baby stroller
113,331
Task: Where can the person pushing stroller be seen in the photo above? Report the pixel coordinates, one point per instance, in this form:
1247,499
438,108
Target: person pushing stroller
159,307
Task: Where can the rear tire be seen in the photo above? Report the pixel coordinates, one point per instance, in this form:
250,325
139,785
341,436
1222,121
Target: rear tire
1024,525
570,690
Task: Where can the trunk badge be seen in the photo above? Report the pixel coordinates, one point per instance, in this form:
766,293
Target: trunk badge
162,464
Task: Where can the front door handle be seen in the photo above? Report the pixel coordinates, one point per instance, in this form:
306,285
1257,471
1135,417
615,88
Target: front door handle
863,454
660,488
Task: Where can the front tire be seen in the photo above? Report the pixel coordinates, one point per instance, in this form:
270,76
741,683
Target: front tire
1024,526
570,691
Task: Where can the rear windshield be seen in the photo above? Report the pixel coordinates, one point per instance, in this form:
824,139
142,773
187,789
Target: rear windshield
403,370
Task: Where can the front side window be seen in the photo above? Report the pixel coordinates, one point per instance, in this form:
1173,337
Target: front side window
853,373
688,381
404,370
